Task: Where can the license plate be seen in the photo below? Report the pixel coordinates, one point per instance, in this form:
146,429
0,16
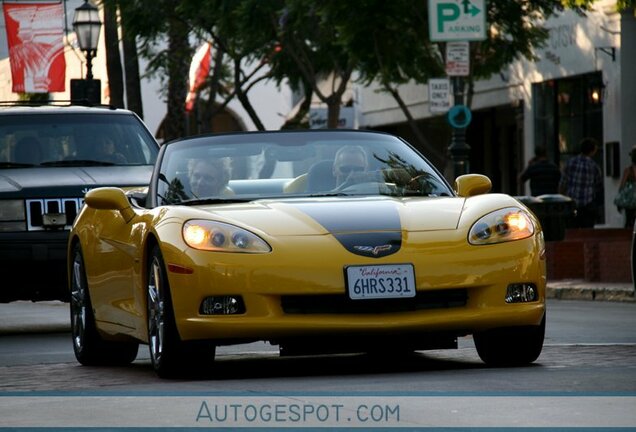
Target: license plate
54,220
380,281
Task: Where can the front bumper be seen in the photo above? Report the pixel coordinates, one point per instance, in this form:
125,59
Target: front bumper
37,259
264,281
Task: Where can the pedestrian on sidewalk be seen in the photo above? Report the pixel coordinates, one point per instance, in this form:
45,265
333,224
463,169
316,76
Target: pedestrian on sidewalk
581,180
544,175
626,198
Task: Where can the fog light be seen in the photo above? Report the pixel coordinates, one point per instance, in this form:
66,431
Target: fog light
222,305
521,293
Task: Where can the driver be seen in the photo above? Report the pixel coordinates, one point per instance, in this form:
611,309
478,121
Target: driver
350,162
208,178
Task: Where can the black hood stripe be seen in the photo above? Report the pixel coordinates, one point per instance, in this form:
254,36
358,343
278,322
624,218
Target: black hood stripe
368,228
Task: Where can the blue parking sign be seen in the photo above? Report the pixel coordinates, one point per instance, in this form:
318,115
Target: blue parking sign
459,116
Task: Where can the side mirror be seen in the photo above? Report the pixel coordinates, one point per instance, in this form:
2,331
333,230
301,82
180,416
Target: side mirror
109,198
468,185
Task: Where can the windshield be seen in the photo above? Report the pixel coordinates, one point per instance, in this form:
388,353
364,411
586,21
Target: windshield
74,139
248,166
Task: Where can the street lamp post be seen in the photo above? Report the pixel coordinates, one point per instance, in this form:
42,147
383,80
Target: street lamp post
87,26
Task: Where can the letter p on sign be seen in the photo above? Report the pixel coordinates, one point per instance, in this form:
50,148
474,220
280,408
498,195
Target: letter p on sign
457,20
446,12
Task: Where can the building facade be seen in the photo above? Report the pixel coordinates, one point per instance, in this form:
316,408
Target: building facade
582,85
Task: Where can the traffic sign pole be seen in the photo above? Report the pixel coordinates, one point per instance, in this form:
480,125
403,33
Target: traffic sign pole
458,21
459,149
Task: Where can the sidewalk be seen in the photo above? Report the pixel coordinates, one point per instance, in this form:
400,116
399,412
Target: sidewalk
34,317
577,289
53,316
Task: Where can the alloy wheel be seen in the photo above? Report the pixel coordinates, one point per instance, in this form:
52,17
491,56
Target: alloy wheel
156,317
78,303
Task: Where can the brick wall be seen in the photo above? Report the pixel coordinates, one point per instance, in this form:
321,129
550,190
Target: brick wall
591,254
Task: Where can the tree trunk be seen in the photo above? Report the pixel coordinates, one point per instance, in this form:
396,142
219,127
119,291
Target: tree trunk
113,60
333,111
242,97
131,68
334,100
299,121
180,54
211,108
438,158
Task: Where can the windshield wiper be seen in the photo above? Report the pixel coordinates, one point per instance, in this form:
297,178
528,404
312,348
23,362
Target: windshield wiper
328,194
77,162
16,165
200,201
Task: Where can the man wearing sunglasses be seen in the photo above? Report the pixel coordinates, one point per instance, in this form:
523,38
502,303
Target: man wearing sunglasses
208,178
350,162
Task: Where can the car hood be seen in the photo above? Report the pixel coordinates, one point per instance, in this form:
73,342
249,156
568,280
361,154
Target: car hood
369,226
71,180
344,215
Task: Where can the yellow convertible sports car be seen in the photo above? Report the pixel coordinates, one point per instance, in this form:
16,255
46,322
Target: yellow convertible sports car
323,241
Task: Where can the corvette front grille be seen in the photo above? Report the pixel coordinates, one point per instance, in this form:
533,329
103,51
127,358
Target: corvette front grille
36,208
341,304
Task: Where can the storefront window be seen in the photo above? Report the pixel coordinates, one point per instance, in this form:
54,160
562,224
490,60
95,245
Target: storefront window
566,111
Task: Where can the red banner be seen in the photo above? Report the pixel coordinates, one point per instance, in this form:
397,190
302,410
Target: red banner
199,70
35,33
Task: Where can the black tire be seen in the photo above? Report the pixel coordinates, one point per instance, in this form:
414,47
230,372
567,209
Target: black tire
170,356
511,346
89,347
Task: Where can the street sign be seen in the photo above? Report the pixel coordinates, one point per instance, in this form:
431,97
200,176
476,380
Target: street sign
318,118
453,20
458,58
439,95
459,116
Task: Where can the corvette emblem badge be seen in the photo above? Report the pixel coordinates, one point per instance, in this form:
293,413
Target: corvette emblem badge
375,250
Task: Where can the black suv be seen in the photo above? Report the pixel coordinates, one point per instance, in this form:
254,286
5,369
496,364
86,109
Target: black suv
50,156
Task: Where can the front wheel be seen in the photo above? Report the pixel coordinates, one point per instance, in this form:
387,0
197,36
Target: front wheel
169,355
510,346
89,347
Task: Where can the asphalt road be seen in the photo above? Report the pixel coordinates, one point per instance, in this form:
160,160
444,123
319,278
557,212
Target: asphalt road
584,378
39,333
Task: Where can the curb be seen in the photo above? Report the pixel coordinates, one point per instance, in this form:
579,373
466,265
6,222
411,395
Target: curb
576,289
24,316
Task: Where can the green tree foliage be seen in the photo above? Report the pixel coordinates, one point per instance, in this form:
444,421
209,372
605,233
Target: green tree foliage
305,43
307,33
237,68
157,23
389,42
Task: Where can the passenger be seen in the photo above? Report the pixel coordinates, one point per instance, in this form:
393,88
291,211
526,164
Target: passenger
107,151
28,151
350,161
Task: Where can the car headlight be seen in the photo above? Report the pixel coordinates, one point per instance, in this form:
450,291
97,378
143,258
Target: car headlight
222,237
12,215
508,224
